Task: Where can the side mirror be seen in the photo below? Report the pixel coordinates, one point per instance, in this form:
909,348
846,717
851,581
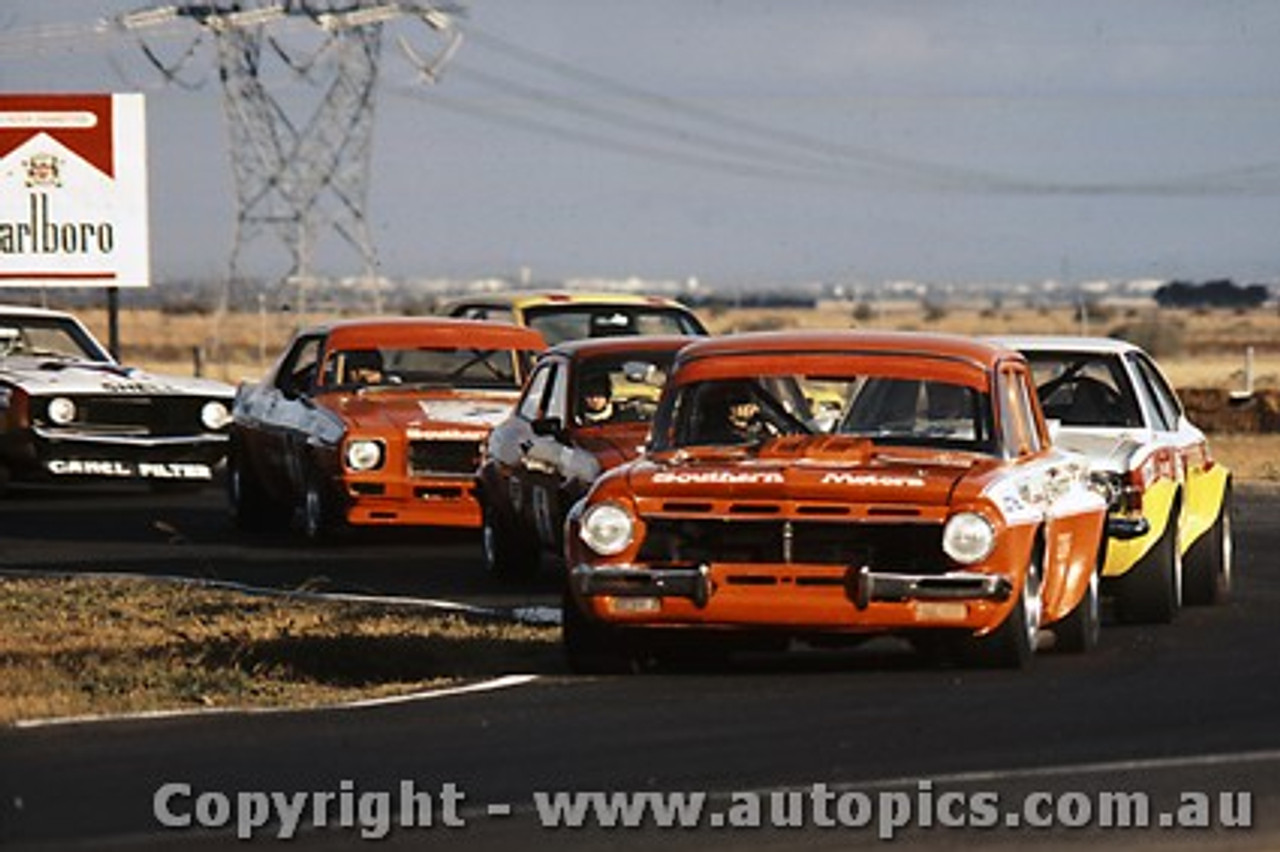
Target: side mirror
550,427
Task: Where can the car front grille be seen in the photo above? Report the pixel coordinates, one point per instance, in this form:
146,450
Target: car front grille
449,458
899,547
138,416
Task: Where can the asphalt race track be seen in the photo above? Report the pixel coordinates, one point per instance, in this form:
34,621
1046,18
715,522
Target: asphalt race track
1176,715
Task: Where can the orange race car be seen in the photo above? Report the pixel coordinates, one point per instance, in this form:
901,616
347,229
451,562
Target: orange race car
374,422
930,505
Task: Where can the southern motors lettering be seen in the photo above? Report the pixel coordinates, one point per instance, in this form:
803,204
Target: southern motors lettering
878,479
718,477
129,470
42,234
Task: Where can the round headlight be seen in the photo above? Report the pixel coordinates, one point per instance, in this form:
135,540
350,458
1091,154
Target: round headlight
214,415
968,538
61,410
364,455
607,529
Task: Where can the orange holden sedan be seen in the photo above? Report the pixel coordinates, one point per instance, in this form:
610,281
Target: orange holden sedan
374,422
923,499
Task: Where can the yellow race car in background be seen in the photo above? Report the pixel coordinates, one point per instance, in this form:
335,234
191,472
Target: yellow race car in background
559,316
1169,527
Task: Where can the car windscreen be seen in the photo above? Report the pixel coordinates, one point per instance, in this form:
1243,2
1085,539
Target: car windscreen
885,410
558,323
620,388
483,369
1084,389
47,337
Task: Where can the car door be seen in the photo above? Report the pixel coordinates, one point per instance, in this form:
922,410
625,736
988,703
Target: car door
1194,464
280,413
504,471
543,457
1066,563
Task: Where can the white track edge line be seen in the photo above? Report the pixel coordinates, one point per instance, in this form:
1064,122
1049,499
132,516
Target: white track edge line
504,682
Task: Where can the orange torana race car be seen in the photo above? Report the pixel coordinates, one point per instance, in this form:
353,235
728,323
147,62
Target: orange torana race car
374,422
931,505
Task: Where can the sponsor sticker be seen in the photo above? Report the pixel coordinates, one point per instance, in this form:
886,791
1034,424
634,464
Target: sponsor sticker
445,435
469,412
872,479
137,387
73,190
129,470
719,477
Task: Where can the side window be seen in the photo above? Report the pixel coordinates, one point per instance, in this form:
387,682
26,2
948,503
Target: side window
1017,417
557,401
1035,438
1164,401
297,373
531,402
1080,389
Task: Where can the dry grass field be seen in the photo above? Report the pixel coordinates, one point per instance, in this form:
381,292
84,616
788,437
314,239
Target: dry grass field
76,646
1198,349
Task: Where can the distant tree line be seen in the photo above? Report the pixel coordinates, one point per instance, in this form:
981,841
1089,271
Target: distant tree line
1222,293
760,299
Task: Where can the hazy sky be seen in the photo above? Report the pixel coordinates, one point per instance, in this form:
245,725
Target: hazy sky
756,141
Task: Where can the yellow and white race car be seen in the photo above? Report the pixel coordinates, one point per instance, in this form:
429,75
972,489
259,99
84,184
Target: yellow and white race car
559,316
1169,526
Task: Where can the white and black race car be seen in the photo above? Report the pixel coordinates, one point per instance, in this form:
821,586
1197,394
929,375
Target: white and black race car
69,411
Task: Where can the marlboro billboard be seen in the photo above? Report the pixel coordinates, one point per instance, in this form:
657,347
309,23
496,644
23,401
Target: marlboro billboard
73,191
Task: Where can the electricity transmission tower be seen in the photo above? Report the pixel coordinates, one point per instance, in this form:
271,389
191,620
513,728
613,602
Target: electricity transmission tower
301,173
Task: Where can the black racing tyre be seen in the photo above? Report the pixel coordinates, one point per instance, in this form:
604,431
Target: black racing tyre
1207,568
1078,633
317,516
1012,645
591,647
506,555
1150,592
251,506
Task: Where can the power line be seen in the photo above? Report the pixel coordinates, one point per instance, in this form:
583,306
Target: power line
768,157
612,144
735,145
914,172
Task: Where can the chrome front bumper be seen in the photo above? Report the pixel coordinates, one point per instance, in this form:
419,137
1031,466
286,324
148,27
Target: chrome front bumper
627,581
861,584
63,437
